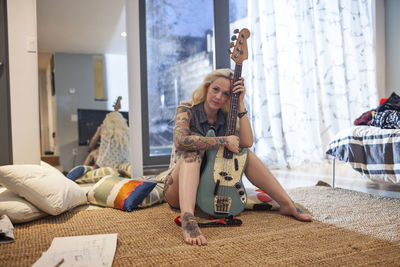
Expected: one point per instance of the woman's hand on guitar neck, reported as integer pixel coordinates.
(232, 143)
(238, 87)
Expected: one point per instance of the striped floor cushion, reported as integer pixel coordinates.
(119, 193)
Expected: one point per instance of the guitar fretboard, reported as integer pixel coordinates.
(233, 111)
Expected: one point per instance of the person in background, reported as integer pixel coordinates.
(114, 144)
(94, 146)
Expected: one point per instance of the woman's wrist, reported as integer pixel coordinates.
(241, 114)
(242, 108)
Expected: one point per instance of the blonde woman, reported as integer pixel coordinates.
(207, 110)
(114, 145)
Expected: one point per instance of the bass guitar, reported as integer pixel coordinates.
(221, 192)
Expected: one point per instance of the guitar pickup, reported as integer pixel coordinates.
(216, 187)
(236, 165)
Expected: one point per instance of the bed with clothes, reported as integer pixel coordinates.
(372, 145)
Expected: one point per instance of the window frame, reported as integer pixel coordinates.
(221, 60)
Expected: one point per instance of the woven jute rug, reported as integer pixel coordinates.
(349, 229)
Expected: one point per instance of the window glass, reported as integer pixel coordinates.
(179, 42)
(237, 10)
(238, 20)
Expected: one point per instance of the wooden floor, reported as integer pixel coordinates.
(310, 174)
(345, 177)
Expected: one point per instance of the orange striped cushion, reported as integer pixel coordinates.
(120, 193)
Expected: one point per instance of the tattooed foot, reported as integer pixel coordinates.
(297, 213)
(191, 231)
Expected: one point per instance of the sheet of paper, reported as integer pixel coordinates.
(88, 250)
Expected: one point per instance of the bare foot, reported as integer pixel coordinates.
(191, 231)
(297, 213)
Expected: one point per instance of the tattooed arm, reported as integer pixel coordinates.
(185, 141)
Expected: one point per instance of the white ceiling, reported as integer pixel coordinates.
(81, 26)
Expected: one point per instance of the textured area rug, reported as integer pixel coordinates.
(364, 213)
(149, 237)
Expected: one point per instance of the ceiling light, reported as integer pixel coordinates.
(123, 34)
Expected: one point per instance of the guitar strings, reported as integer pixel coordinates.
(228, 163)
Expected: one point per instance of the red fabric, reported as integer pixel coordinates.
(383, 100)
(228, 221)
(177, 221)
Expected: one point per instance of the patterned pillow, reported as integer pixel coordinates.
(95, 175)
(120, 193)
(163, 176)
(78, 171)
(258, 200)
(156, 195)
(125, 169)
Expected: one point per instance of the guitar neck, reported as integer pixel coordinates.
(233, 111)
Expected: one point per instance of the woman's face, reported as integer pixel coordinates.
(218, 93)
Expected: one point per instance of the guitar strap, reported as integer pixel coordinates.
(227, 221)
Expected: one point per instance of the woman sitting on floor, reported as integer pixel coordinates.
(208, 109)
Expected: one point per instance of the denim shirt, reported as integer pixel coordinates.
(200, 125)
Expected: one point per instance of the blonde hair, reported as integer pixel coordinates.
(199, 95)
(115, 126)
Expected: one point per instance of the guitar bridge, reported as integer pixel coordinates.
(222, 204)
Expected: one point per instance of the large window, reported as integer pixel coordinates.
(182, 41)
(179, 53)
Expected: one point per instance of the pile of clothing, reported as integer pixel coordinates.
(385, 116)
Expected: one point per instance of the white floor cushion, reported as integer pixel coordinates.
(17, 208)
(47, 188)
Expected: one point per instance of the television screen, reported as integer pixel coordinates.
(89, 120)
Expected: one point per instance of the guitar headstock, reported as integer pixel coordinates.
(239, 53)
(117, 104)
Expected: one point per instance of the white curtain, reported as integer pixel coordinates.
(311, 72)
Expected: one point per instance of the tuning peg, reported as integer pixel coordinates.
(229, 51)
(231, 44)
(233, 38)
(236, 31)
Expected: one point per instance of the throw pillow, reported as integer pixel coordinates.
(46, 188)
(258, 200)
(120, 193)
(18, 209)
(156, 195)
(95, 175)
(78, 171)
(125, 169)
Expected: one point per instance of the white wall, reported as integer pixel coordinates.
(380, 47)
(135, 113)
(117, 80)
(24, 93)
(392, 31)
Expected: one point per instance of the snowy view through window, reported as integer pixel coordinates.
(180, 53)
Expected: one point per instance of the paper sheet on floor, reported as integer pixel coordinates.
(88, 250)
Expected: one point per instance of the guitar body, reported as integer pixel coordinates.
(221, 192)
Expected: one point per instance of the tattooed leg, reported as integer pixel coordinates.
(191, 231)
(168, 182)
